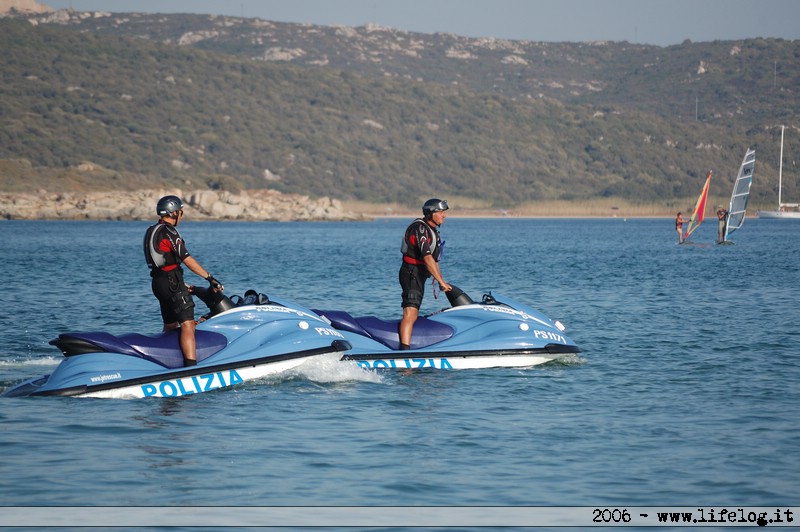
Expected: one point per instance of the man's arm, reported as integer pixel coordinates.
(433, 268)
(193, 265)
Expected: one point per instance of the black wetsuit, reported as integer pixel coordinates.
(164, 250)
(419, 240)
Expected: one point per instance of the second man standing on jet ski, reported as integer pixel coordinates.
(422, 248)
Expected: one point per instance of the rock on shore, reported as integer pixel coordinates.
(23, 6)
(251, 205)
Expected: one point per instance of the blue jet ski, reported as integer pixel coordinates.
(237, 341)
(496, 332)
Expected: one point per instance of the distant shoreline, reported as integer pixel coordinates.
(270, 205)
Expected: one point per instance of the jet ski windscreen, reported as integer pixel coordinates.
(458, 297)
(217, 302)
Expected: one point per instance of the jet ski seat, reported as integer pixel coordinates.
(426, 332)
(163, 349)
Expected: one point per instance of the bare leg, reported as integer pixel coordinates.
(188, 342)
(407, 324)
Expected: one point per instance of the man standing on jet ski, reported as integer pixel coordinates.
(422, 249)
(164, 250)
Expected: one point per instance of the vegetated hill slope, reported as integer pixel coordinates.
(720, 81)
(154, 113)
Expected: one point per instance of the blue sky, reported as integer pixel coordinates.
(660, 22)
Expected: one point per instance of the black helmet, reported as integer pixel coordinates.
(168, 204)
(434, 205)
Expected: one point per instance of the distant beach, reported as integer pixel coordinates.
(600, 208)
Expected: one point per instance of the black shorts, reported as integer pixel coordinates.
(177, 305)
(412, 281)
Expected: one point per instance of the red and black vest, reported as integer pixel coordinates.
(420, 239)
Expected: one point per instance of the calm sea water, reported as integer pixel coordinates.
(686, 392)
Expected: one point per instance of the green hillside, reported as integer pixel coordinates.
(147, 112)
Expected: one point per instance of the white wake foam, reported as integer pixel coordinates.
(22, 362)
(329, 368)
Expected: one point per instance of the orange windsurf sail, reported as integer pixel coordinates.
(699, 213)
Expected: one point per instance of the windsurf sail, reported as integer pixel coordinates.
(741, 193)
(699, 213)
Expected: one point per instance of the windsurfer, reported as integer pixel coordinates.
(722, 215)
(679, 221)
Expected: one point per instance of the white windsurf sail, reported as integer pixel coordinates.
(741, 193)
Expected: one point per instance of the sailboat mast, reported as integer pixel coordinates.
(780, 172)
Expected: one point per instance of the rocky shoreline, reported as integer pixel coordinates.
(251, 205)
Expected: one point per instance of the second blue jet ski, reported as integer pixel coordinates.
(495, 332)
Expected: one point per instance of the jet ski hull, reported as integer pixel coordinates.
(458, 360)
(119, 384)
